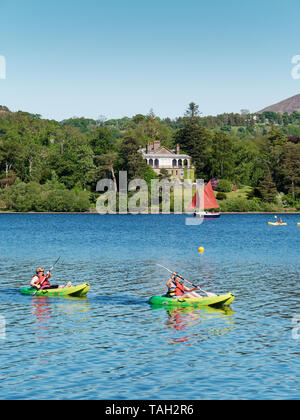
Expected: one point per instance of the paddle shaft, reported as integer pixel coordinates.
(54, 264)
(173, 272)
(50, 269)
(49, 272)
(194, 285)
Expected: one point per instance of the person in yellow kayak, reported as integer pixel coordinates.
(177, 289)
(41, 281)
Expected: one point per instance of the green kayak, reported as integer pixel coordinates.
(80, 290)
(226, 299)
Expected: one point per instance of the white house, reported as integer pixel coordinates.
(160, 157)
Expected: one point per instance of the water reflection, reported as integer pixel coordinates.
(47, 311)
(41, 311)
(196, 323)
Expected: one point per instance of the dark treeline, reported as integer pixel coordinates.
(46, 165)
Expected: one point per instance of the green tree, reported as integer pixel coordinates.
(10, 155)
(248, 168)
(108, 161)
(74, 162)
(222, 159)
(289, 170)
(131, 159)
(277, 142)
(102, 141)
(148, 128)
(267, 187)
(193, 110)
(196, 141)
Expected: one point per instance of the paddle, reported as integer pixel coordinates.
(50, 272)
(54, 264)
(194, 285)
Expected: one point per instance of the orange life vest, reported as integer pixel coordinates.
(179, 291)
(43, 281)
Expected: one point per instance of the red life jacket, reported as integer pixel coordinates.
(179, 291)
(43, 281)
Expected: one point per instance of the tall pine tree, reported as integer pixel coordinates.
(267, 187)
(196, 141)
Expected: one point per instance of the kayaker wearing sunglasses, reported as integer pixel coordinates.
(177, 289)
(41, 281)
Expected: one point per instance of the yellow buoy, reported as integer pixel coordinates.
(201, 249)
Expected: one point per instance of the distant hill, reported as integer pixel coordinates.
(4, 109)
(288, 105)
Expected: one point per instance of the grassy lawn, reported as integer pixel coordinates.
(240, 193)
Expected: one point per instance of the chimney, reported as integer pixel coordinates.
(178, 149)
(156, 145)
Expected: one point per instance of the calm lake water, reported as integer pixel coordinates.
(113, 344)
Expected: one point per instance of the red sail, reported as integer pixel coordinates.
(193, 204)
(210, 201)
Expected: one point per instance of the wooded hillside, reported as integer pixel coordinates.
(46, 165)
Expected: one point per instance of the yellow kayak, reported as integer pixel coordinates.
(80, 290)
(298, 224)
(277, 224)
(226, 300)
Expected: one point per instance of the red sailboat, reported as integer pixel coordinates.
(210, 203)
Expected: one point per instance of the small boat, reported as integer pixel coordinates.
(225, 300)
(207, 215)
(210, 202)
(298, 224)
(80, 290)
(277, 224)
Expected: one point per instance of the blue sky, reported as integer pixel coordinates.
(122, 57)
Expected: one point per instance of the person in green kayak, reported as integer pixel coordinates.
(41, 281)
(177, 289)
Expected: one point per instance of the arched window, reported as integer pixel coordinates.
(151, 162)
(180, 163)
(156, 163)
(185, 163)
(174, 163)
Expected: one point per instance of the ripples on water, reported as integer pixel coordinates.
(113, 345)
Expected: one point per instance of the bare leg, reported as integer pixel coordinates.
(192, 295)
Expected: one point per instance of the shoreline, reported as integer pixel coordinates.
(145, 214)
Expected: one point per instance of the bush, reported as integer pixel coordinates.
(240, 205)
(245, 205)
(82, 201)
(221, 196)
(254, 193)
(149, 174)
(290, 201)
(23, 197)
(224, 186)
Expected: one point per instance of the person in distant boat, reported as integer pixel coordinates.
(41, 281)
(280, 220)
(177, 289)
